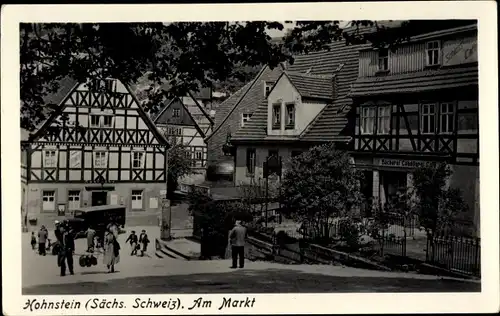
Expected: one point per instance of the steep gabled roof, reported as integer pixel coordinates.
(60, 99)
(250, 96)
(156, 122)
(312, 86)
(341, 62)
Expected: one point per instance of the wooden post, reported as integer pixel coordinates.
(165, 222)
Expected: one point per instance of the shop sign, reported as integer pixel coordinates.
(401, 163)
(464, 51)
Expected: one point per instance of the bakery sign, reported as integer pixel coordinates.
(459, 52)
(402, 163)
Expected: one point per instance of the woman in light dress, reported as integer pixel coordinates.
(111, 251)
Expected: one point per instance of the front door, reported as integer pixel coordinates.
(99, 198)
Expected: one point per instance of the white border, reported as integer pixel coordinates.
(484, 11)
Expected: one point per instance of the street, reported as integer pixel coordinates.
(150, 275)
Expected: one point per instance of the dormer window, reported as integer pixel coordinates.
(433, 50)
(245, 117)
(290, 116)
(383, 59)
(267, 89)
(277, 116)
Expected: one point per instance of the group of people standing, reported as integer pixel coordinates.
(137, 242)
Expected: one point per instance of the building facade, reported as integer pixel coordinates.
(307, 106)
(177, 123)
(98, 148)
(416, 104)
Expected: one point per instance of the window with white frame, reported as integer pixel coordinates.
(101, 159)
(384, 119)
(107, 121)
(50, 158)
(290, 116)
(433, 50)
(383, 59)
(73, 200)
(245, 117)
(428, 118)
(49, 200)
(367, 120)
(447, 117)
(176, 113)
(95, 120)
(276, 115)
(136, 199)
(138, 159)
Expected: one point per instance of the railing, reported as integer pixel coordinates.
(455, 253)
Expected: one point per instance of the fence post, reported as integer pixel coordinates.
(476, 257)
(404, 243)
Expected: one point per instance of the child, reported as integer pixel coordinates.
(33, 240)
(144, 240)
(133, 242)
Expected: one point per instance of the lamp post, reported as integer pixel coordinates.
(166, 209)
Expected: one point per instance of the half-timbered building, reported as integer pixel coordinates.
(415, 104)
(177, 122)
(97, 148)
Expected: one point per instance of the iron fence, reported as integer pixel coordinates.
(458, 254)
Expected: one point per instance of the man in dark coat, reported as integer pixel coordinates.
(42, 240)
(67, 248)
(237, 238)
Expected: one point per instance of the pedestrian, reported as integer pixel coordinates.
(144, 241)
(42, 240)
(111, 251)
(132, 238)
(33, 240)
(90, 239)
(66, 249)
(237, 237)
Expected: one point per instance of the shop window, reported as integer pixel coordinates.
(384, 119)
(367, 120)
(433, 50)
(49, 200)
(251, 161)
(73, 200)
(136, 199)
(447, 118)
(428, 118)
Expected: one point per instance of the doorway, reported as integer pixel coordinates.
(99, 198)
(393, 183)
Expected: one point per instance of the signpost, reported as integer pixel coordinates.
(272, 165)
(166, 219)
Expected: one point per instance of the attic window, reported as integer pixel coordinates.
(110, 85)
(267, 89)
(276, 116)
(245, 117)
(176, 113)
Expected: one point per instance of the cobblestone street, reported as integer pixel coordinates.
(148, 275)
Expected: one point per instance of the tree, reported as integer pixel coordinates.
(183, 56)
(436, 205)
(179, 165)
(255, 198)
(320, 185)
